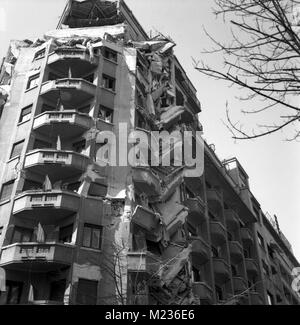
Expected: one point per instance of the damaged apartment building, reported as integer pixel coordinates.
(75, 232)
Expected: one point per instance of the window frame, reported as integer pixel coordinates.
(12, 154)
(2, 188)
(31, 79)
(21, 118)
(92, 228)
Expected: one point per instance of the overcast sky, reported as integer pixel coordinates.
(271, 163)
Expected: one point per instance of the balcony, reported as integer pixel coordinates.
(236, 251)
(47, 206)
(218, 232)
(146, 181)
(148, 221)
(73, 92)
(143, 262)
(196, 210)
(203, 292)
(221, 270)
(66, 124)
(200, 251)
(77, 59)
(214, 198)
(239, 285)
(255, 298)
(251, 266)
(246, 235)
(36, 256)
(57, 164)
(232, 219)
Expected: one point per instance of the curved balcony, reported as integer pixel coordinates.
(36, 256)
(246, 235)
(143, 262)
(231, 218)
(204, 292)
(221, 270)
(71, 91)
(200, 251)
(239, 284)
(146, 181)
(66, 124)
(218, 232)
(47, 206)
(236, 251)
(148, 221)
(57, 164)
(196, 210)
(251, 266)
(79, 60)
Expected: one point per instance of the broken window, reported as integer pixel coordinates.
(57, 290)
(6, 191)
(17, 149)
(108, 82)
(65, 234)
(105, 114)
(110, 54)
(99, 190)
(33, 81)
(25, 114)
(92, 236)
(86, 292)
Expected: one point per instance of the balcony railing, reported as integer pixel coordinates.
(236, 251)
(143, 262)
(36, 256)
(218, 232)
(66, 124)
(251, 266)
(200, 251)
(146, 181)
(221, 270)
(203, 291)
(57, 164)
(73, 91)
(196, 210)
(49, 206)
(79, 60)
(148, 221)
(246, 235)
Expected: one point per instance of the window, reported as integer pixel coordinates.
(86, 292)
(6, 191)
(14, 291)
(1, 230)
(65, 234)
(215, 251)
(97, 190)
(153, 247)
(105, 114)
(196, 274)
(22, 235)
(25, 114)
(33, 81)
(40, 144)
(92, 236)
(73, 186)
(79, 146)
(39, 54)
(110, 55)
(260, 240)
(108, 82)
(17, 149)
(270, 252)
(234, 270)
(57, 290)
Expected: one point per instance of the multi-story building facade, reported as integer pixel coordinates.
(74, 231)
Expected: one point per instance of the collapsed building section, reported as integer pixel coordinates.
(77, 231)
